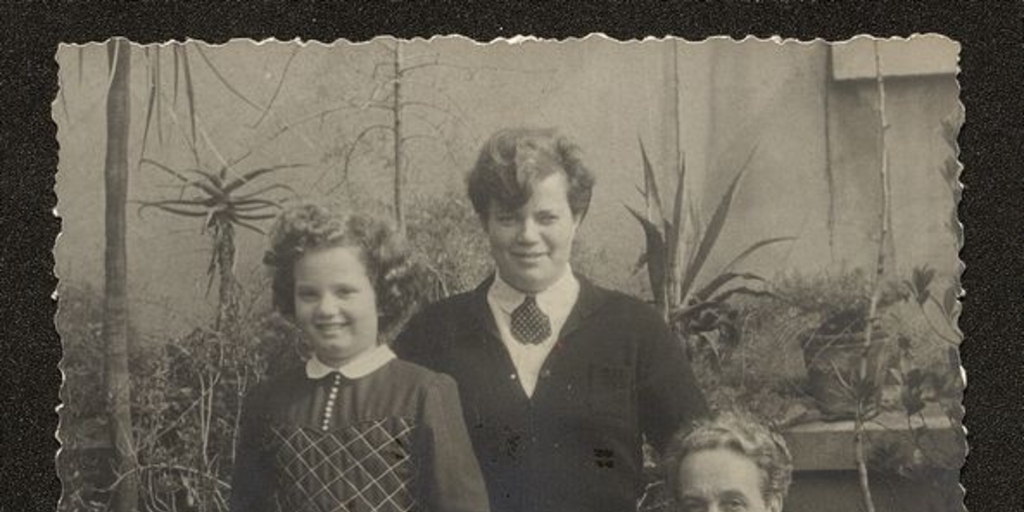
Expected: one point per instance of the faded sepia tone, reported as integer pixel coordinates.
(790, 187)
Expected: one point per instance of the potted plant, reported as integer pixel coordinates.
(844, 373)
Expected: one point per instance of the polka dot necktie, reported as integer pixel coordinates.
(529, 324)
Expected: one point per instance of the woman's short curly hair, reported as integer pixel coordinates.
(742, 434)
(390, 268)
(514, 158)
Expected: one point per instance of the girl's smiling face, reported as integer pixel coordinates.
(335, 303)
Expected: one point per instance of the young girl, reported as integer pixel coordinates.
(354, 429)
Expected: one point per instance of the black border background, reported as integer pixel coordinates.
(992, 63)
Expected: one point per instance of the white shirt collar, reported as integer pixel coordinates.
(355, 368)
(561, 295)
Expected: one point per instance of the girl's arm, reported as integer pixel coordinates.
(451, 474)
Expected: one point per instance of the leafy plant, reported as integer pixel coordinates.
(921, 453)
(224, 199)
(703, 315)
(919, 288)
(920, 456)
(832, 310)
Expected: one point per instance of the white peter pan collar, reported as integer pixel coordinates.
(355, 368)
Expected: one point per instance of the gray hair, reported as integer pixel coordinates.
(742, 434)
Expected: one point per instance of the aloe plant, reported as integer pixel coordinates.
(224, 200)
(674, 264)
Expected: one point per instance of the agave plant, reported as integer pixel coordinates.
(701, 314)
(919, 287)
(224, 199)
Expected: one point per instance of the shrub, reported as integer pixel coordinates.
(840, 302)
(82, 463)
(446, 233)
(187, 446)
(186, 397)
(765, 370)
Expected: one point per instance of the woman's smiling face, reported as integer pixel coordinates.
(335, 303)
(531, 246)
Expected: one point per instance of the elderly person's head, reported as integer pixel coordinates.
(730, 463)
(346, 280)
(531, 191)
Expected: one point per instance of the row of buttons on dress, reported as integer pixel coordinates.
(331, 399)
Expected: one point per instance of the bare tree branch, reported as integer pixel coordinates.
(457, 118)
(451, 102)
(180, 176)
(437, 129)
(288, 126)
(277, 90)
(223, 80)
(351, 150)
(414, 67)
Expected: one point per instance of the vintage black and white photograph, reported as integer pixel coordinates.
(522, 275)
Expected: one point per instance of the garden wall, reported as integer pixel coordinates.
(731, 96)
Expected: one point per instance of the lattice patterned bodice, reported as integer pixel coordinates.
(364, 467)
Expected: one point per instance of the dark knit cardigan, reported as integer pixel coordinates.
(392, 440)
(615, 376)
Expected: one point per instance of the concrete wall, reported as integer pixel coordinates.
(841, 491)
(711, 101)
(807, 125)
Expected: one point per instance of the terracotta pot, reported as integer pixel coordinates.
(833, 363)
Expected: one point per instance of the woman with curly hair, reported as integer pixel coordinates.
(353, 429)
(731, 463)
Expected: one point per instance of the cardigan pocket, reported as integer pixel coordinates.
(611, 389)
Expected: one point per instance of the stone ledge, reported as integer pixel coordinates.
(828, 446)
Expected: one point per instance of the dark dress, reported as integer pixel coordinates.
(392, 440)
(615, 376)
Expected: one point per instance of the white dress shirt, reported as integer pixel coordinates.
(556, 302)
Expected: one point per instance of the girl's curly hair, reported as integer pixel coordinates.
(397, 280)
(742, 434)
